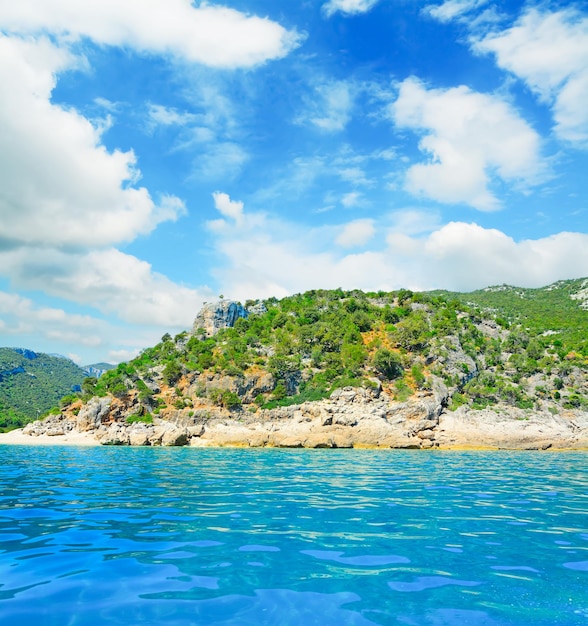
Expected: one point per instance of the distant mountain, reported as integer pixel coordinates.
(97, 369)
(31, 383)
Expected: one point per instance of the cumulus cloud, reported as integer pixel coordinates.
(348, 7)
(108, 280)
(356, 233)
(212, 35)
(470, 137)
(58, 184)
(548, 50)
(66, 201)
(21, 316)
(263, 257)
(227, 207)
(470, 257)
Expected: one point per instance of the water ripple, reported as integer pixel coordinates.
(265, 537)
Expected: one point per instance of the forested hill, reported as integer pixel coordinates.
(501, 346)
(560, 307)
(33, 382)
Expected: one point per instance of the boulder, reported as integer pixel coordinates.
(92, 414)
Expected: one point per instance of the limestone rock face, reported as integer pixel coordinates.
(216, 315)
(513, 429)
(91, 415)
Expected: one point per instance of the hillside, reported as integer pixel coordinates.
(558, 309)
(505, 349)
(31, 383)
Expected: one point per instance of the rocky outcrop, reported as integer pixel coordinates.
(216, 315)
(247, 387)
(223, 314)
(517, 429)
(91, 415)
(351, 418)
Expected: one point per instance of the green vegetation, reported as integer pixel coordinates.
(32, 383)
(500, 346)
(553, 309)
(490, 347)
(147, 418)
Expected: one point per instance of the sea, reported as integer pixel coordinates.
(181, 536)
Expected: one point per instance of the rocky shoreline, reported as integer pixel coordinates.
(350, 418)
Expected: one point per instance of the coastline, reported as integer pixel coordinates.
(350, 418)
(74, 438)
(18, 438)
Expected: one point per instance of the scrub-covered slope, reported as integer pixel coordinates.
(31, 383)
(401, 349)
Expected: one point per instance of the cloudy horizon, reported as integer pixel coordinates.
(156, 155)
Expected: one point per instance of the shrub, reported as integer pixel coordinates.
(387, 363)
(143, 419)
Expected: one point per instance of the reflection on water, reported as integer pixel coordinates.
(272, 537)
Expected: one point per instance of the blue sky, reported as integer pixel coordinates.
(158, 154)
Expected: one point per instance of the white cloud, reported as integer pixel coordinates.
(355, 175)
(107, 280)
(221, 160)
(227, 207)
(470, 138)
(452, 9)
(117, 356)
(351, 199)
(470, 257)
(356, 233)
(414, 221)
(264, 257)
(66, 200)
(160, 115)
(22, 316)
(348, 7)
(329, 108)
(548, 50)
(59, 185)
(212, 35)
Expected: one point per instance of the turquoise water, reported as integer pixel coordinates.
(263, 537)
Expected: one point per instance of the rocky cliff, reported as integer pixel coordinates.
(216, 315)
(350, 418)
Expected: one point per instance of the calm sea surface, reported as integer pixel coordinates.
(262, 537)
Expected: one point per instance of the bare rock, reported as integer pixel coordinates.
(139, 435)
(114, 435)
(511, 428)
(216, 315)
(175, 437)
(92, 414)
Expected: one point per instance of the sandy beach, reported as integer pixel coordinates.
(16, 437)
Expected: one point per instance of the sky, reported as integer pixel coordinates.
(157, 154)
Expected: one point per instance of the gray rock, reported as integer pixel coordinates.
(91, 415)
(114, 435)
(216, 315)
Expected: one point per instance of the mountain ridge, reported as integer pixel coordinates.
(33, 382)
(521, 354)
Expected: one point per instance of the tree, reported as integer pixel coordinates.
(413, 332)
(172, 372)
(387, 363)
